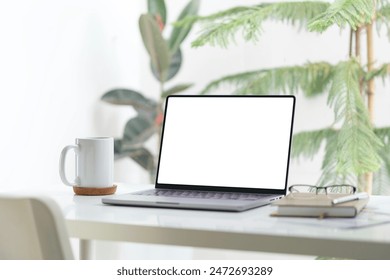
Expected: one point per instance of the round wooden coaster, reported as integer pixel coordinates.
(94, 191)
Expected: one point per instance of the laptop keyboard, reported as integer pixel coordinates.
(203, 194)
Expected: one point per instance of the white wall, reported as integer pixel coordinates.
(57, 59)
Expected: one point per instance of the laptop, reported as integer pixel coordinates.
(227, 153)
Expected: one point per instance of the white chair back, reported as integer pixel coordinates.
(32, 228)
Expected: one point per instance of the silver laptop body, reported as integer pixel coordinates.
(228, 153)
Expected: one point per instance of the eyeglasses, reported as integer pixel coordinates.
(311, 190)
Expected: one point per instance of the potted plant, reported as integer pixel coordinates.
(165, 62)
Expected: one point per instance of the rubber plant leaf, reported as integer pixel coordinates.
(129, 97)
(155, 44)
(144, 158)
(140, 155)
(138, 130)
(176, 89)
(179, 33)
(157, 8)
(117, 147)
(173, 69)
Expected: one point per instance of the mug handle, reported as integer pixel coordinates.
(62, 165)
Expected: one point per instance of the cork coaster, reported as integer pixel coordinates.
(94, 191)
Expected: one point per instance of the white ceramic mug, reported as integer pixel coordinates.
(94, 162)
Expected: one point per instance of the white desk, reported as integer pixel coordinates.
(254, 230)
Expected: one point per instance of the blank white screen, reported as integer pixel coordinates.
(226, 141)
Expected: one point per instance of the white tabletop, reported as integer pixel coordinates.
(366, 237)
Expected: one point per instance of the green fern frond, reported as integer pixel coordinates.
(296, 13)
(222, 32)
(383, 12)
(381, 180)
(311, 78)
(282, 80)
(221, 28)
(383, 71)
(216, 16)
(357, 145)
(329, 163)
(330, 174)
(235, 80)
(383, 18)
(308, 143)
(383, 134)
(345, 12)
(382, 177)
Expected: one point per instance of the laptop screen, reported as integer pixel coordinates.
(226, 142)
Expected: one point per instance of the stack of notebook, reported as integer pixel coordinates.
(307, 205)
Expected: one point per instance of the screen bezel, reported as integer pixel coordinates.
(224, 188)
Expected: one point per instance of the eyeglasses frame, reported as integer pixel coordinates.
(317, 188)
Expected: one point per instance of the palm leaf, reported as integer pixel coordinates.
(383, 13)
(353, 13)
(384, 134)
(382, 177)
(357, 145)
(383, 17)
(381, 180)
(308, 143)
(330, 174)
(220, 28)
(354, 148)
(311, 78)
(235, 80)
(383, 71)
(216, 16)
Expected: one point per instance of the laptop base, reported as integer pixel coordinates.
(232, 205)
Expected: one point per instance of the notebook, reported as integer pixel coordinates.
(228, 153)
(319, 206)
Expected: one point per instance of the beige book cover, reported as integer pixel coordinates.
(309, 205)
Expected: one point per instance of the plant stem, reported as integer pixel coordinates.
(370, 93)
(357, 44)
(350, 42)
(160, 111)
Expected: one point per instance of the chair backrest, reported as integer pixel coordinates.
(32, 228)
